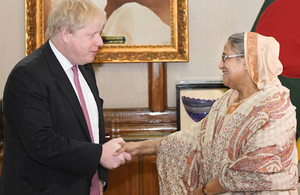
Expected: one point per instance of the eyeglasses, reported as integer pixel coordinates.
(224, 57)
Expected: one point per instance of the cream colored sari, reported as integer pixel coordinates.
(251, 149)
(249, 145)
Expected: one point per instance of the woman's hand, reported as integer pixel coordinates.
(212, 187)
(133, 148)
(139, 148)
(198, 191)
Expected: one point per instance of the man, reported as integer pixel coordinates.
(54, 122)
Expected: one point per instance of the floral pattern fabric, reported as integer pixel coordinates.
(249, 146)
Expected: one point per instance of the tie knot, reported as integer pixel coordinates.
(75, 70)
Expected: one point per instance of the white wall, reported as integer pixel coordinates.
(12, 37)
(211, 22)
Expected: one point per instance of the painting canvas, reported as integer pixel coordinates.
(141, 22)
(153, 30)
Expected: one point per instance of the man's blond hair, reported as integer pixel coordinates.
(72, 15)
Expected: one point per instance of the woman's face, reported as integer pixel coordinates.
(234, 71)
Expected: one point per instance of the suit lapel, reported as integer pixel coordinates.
(88, 74)
(64, 83)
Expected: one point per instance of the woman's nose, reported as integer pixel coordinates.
(221, 64)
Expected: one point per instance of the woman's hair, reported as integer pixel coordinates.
(72, 15)
(237, 42)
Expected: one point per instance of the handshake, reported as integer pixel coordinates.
(110, 159)
(116, 151)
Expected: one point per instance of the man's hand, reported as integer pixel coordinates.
(101, 188)
(108, 159)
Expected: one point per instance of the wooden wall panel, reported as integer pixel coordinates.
(139, 124)
(148, 175)
(124, 179)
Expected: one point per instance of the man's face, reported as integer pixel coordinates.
(82, 45)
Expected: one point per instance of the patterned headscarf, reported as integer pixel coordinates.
(262, 59)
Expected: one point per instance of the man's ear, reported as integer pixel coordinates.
(64, 35)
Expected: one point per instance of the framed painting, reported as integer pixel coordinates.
(194, 100)
(149, 30)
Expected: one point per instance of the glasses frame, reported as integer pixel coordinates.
(224, 57)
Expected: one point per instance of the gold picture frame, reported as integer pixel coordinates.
(177, 51)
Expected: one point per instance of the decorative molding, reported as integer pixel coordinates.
(30, 24)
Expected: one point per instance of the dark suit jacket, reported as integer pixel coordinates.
(48, 149)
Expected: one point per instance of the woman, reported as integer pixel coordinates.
(246, 144)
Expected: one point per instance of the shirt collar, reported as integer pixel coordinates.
(64, 62)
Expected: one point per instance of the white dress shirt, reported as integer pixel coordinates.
(87, 93)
